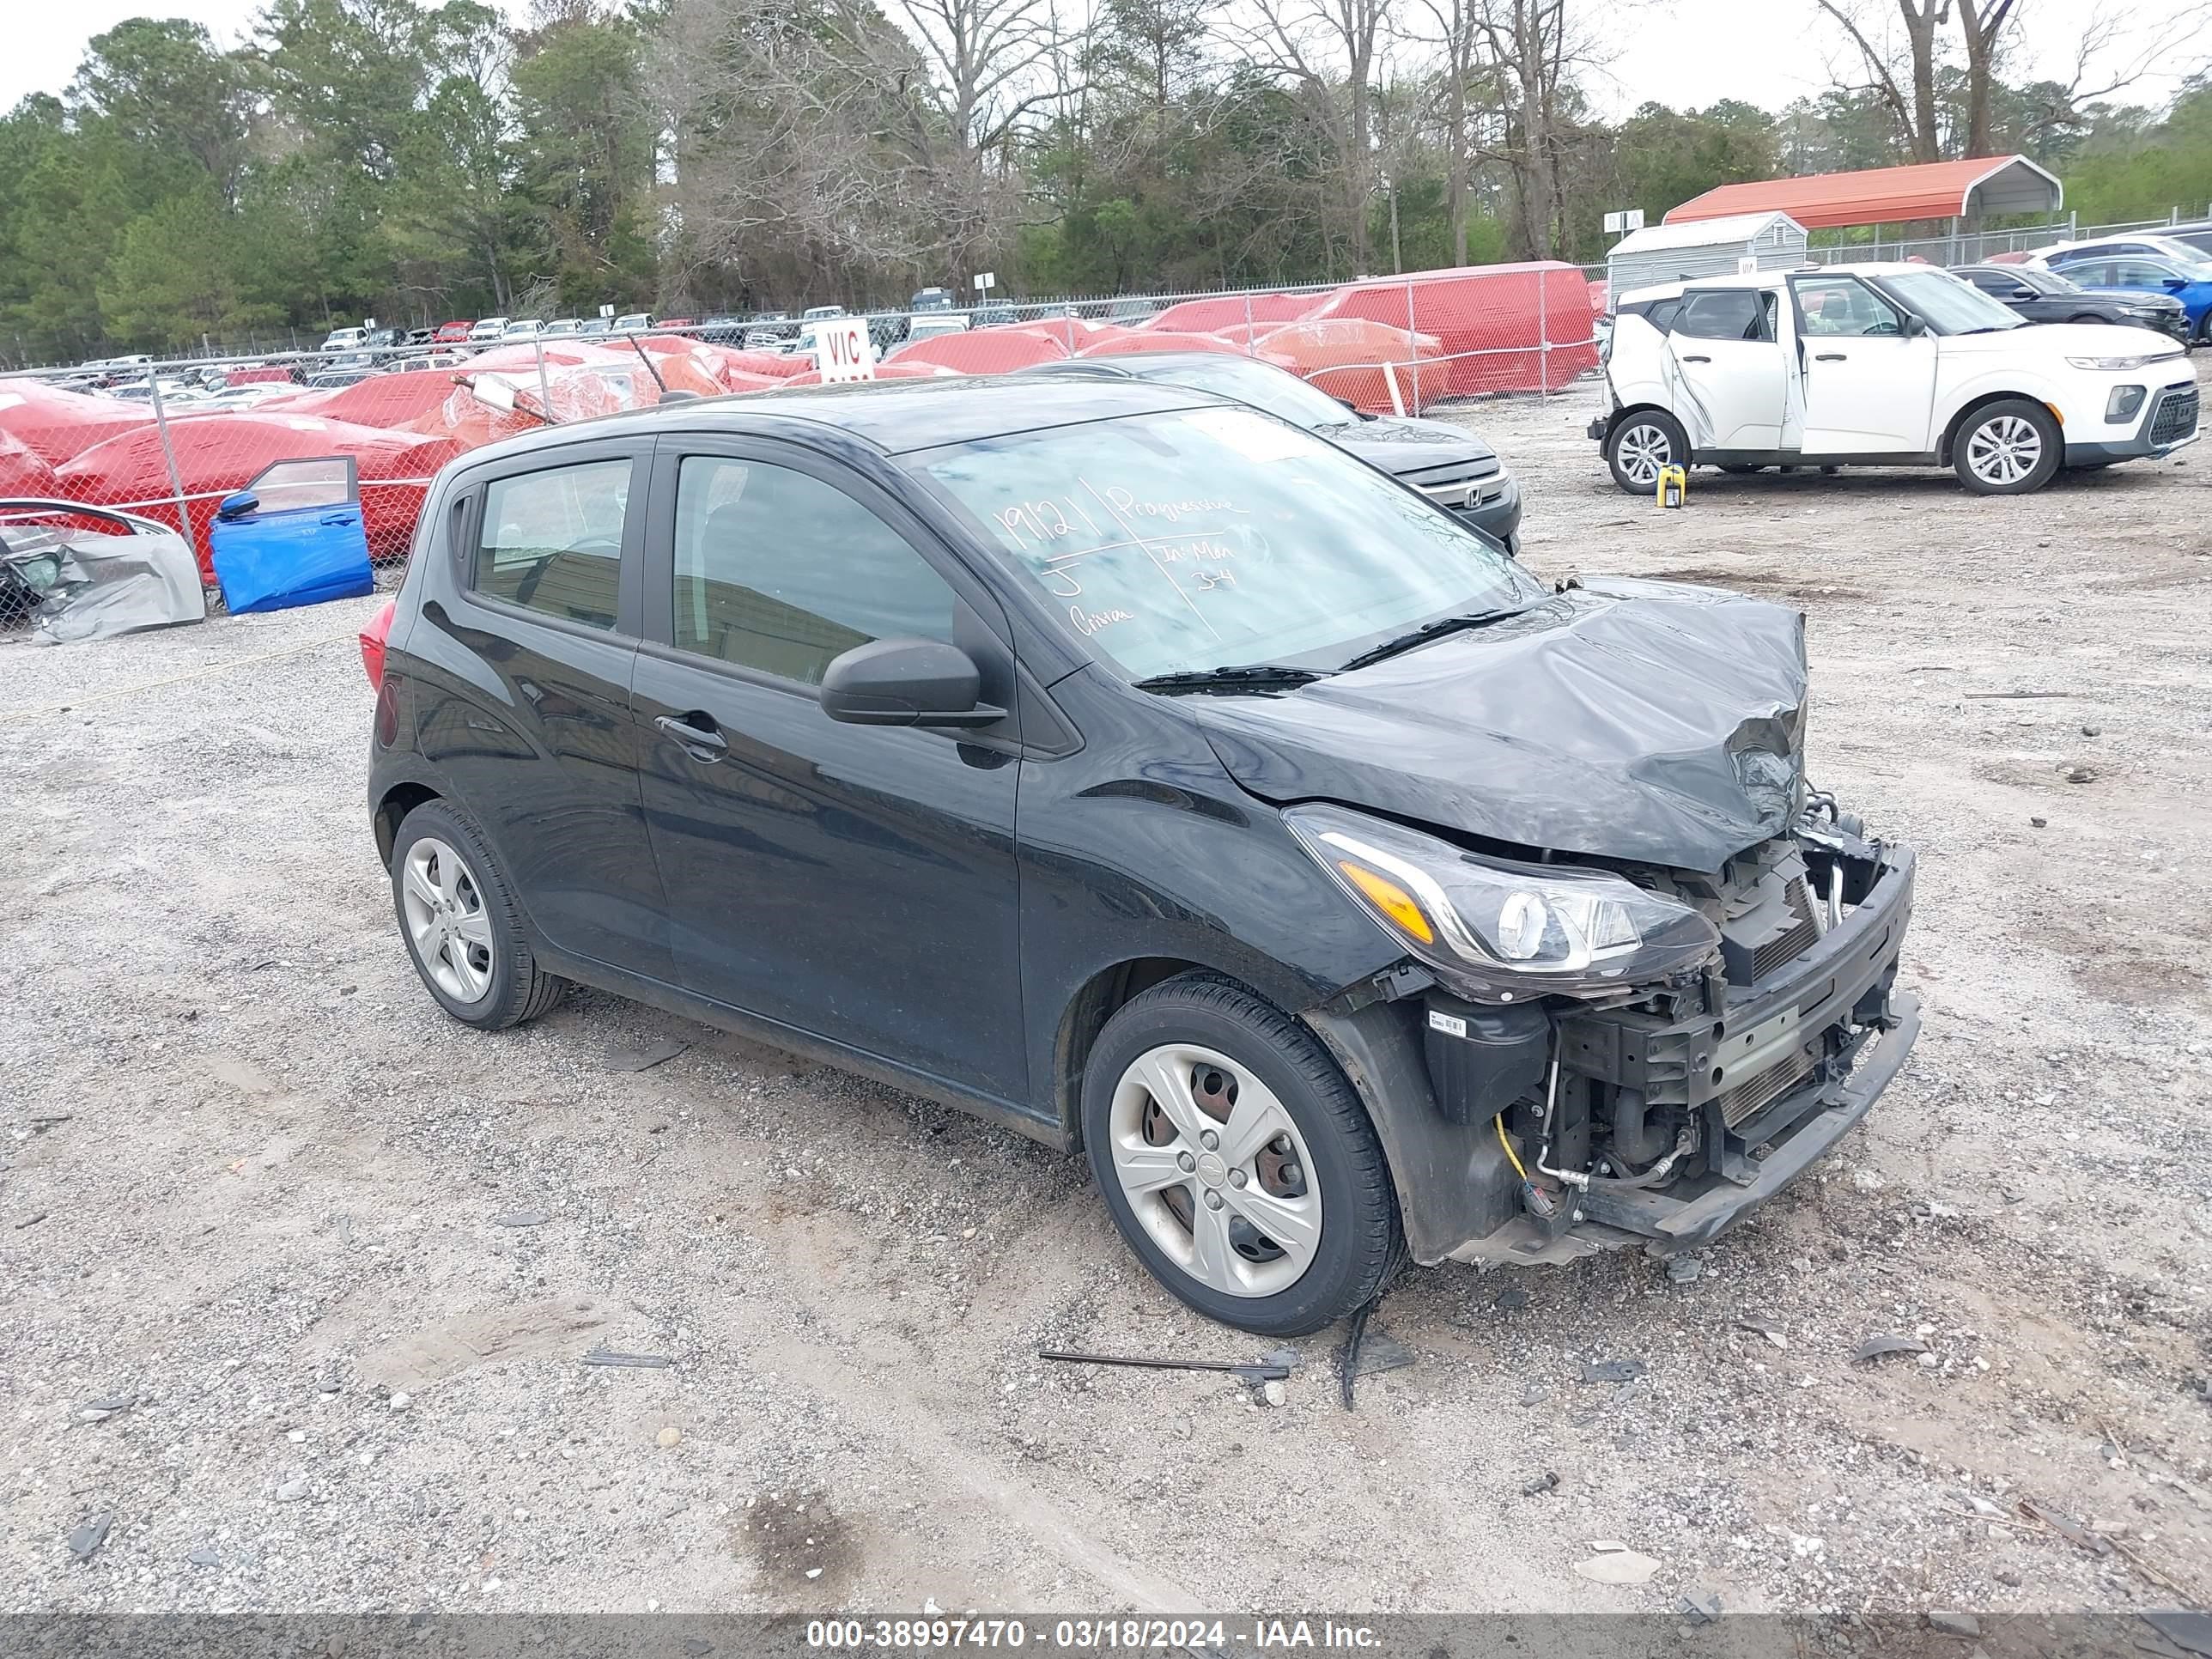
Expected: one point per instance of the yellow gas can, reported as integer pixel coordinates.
(1674, 484)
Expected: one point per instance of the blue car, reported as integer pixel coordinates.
(2104, 270)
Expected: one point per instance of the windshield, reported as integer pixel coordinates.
(1261, 385)
(1949, 305)
(1207, 537)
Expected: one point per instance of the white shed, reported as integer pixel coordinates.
(1704, 247)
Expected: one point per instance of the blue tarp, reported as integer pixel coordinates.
(268, 561)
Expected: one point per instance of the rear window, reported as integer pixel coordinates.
(1731, 313)
(551, 541)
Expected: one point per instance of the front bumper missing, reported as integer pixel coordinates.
(1758, 1135)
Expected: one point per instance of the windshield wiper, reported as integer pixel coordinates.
(1430, 631)
(1236, 677)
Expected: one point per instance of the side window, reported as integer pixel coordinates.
(1834, 306)
(551, 541)
(1726, 314)
(326, 482)
(778, 571)
(1989, 282)
(2139, 273)
(1663, 312)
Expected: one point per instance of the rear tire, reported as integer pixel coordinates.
(1236, 1161)
(461, 923)
(2007, 448)
(1640, 444)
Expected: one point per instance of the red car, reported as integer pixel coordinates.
(451, 333)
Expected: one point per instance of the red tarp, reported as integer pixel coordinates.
(577, 394)
(381, 400)
(1211, 316)
(23, 471)
(985, 351)
(898, 371)
(1137, 341)
(55, 425)
(1370, 365)
(1491, 320)
(219, 454)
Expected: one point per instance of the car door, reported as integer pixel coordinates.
(854, 882)
(1869, 384)
(526, 705)
(1731, 380)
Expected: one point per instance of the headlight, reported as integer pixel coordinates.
(2121, 362)
(1498, 932)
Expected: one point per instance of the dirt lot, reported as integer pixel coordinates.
(347, 1256)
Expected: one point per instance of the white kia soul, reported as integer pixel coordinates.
(1887, 365)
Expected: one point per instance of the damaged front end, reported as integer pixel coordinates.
(1658, 1109)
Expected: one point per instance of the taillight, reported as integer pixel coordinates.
(372, 643)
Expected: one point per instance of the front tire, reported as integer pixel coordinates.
(1236, 1161)
(1640, 444)
(2007, 448)
(462, 926)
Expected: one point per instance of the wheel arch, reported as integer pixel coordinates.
(1097, 1000)
(1981, 400)
(391, 810)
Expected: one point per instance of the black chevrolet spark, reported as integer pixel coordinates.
(1147, 774)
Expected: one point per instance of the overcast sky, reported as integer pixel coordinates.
(1683, 52)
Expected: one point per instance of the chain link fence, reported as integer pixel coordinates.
(169, 439)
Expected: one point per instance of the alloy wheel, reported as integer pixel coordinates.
(1642, 451)
(2004, 450)
(1215, 1171)
(446, 919)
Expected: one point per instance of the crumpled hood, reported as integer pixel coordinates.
(1645, 721)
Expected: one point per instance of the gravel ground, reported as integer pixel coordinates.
(345, 1256)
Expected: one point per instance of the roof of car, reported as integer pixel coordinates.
(1774, 278)
(898, 416)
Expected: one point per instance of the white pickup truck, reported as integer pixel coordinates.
(1884, 365)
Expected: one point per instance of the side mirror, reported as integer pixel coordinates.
(2175, 284)
(2021, 293)
(1914, 326)
(905, 683)
(237, 506)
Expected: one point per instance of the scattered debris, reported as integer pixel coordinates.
(1613, 1370)
(98, 1411)
(1263, 1372)
(1683, 1269)
(2038, 823)
(2067, 1528)
(1955, 1623)
(2014, 696)
(1382, 1352)
(643, 1362)
(1535, 1395)
(40, 1125)
(1273, 1393)
(1699, 1606)
(1511, 1299)
(30, 1221)
(1618, 1566)
(1766, 1325)
(521, 1218)
(1547, 1481)
(669, 1436)
(1875, 1347)
(291, 1491)
(645, 1059)
(84, 1543)
(2079, 774)
(205, 1556)
(2093, 731)
(399, 1402)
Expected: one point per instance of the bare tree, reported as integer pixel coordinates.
(1462, 67)
(1915, 111)
(1328, 51)
(1536, 50)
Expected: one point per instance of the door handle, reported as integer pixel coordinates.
(1697, 360)
(700, 742)
(1829, 357)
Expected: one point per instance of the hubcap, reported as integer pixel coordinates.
(1215, 1171)
(1642, 451)
(2004, 450)
(446, 919)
